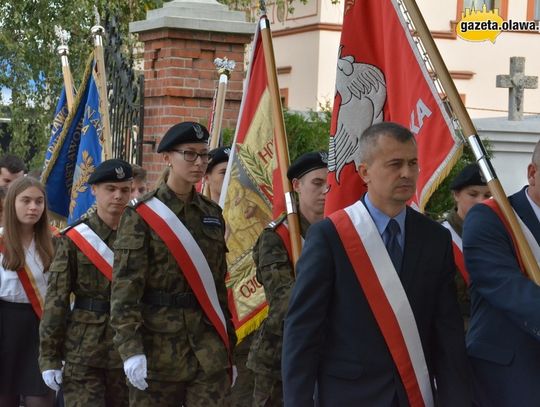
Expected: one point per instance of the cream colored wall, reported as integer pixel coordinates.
(312, 56)
(326, 87)
(301, 53)
(486, 60)
(439, 13)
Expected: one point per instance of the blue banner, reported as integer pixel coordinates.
(88, 157)
(74, 151)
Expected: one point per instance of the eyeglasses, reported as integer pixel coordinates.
(191, 156)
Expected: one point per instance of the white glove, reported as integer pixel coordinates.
(234, 375)
(135, 369)
(52, 378)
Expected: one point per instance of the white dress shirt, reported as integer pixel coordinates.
(11, 289)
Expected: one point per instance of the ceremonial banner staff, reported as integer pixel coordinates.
(63, 51)
(412, 13)
(97, 32)
(280, 137)
(224, 67)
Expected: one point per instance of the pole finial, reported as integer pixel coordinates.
(224, 66)
(63, 37)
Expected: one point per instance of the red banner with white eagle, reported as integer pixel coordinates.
(381, 76)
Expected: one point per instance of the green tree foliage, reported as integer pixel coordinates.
(442, 200)
(30, 66)
(307, 132)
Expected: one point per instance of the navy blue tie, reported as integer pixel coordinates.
(392, 244)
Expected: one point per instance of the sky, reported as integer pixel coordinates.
(6, 96)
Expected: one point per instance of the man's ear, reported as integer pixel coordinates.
(93, 190)
(363, 172)
(296, 185)
(531, 172)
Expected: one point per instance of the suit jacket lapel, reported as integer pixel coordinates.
(523, 208)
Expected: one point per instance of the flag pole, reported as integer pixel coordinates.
(63, 51)
(224, 68)
(468, 130)
(280, 139)
(97, 32)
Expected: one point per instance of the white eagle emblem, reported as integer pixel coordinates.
(120, 174)
(362, 88)
(198, 131)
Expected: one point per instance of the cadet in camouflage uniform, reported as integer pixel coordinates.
(172, 353)
(83, 337)
(242, 391)
(468, 188)
(275, 272)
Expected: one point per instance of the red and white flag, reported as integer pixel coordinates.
(381, 76)
(252, 193)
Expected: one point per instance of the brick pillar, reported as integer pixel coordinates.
(181, 41)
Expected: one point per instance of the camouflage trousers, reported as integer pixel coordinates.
(203, 391)
(242, 392)
(90, 386)
(267, 392)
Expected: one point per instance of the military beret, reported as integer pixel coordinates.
(113, 170)
(218, 155)
(470, 175)
(186, 132)
(307, 162)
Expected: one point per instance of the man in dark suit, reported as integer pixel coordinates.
(337, 348)
(503, 341)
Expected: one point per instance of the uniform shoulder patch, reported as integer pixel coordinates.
(82, 219)
(137, 201)
(276, 222)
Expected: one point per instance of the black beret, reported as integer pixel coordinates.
(470, 175)
(113, 170)
(186, 132)
(307, 162)
(218, 155)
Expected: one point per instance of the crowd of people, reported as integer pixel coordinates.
(128, 306)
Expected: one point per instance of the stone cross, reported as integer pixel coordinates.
(517, 82)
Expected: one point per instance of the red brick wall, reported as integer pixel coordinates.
(180, 81)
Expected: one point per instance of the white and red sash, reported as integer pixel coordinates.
(387, 299)
(283, 232)
(93, 247)
(533, 244)
(27, 277)
(190, 259)
(36, 296)
(457, 247)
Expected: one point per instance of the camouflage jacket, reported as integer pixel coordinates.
(78, 336)
(464, 297)
(176, 341)
(275, 273)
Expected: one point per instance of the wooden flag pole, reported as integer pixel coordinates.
(280, 138)
(97, 32)
(224, 67)
(63, 51)
(469, 131)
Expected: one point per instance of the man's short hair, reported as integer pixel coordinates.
(12, 163)
(370, 137)
(139, 173)
(536, 154)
